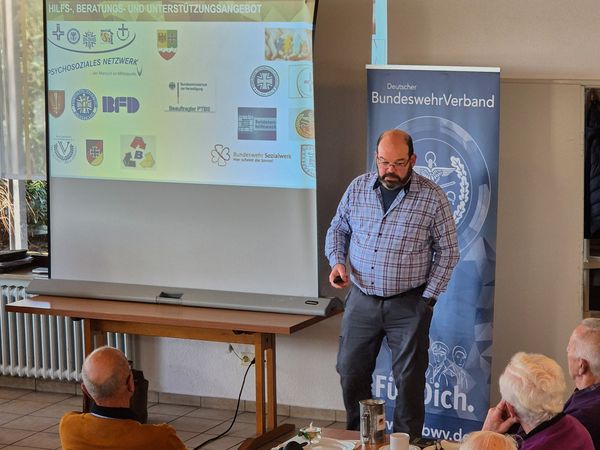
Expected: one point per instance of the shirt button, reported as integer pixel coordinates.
(375, 251)
(372, 283)
(372, 267)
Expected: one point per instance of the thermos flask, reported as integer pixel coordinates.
(372, 421)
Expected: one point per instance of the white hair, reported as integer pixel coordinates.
(535, 386)
(487, 440)
(586, 343)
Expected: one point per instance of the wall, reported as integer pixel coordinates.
(540, 221)
(538, 298)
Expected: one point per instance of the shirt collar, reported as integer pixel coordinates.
(542, 426)
(592, 387)
(113, 413)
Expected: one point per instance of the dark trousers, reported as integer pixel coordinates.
(404, 319)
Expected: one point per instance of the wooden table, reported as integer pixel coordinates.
(206, 324)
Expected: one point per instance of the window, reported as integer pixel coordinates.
(23, 193)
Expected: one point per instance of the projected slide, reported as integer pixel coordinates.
(199, 92)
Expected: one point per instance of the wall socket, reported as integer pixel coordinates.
(246, 358)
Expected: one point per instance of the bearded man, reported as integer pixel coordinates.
(393, 239)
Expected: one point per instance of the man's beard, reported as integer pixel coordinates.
(391, 181)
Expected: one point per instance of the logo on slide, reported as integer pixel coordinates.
(300, 82)
(116, 104)
(92, 40)
(106, 35)
(63, 149)
(84, 104)
(94, 151)
(137, 152)
(166, 43)
(264, 81)
(220, 155)
(307, 158)
(56, 103)
(305, 124)
(257, 124)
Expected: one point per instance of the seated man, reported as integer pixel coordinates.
(533, 388)
(488, 440)
(107, 378)
(583, 353)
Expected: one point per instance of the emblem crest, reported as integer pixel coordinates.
(305, 124)
(307, 158)
(166, 43)
(56, 103)
(94, 151)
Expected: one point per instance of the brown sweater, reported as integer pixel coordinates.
(79, 431)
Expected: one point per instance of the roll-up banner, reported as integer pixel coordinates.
(452, 115)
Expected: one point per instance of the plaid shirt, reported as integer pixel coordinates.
(413, 243)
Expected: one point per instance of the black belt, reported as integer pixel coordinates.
(418, 291)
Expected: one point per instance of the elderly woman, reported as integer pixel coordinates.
(488, 440)
(533, 390)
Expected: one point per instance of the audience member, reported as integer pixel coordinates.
(488, 440)
(107, 378)
(583, 354)
(533, 388)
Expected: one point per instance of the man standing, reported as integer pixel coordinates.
(583, 354)
(107, 378)
(398, 233)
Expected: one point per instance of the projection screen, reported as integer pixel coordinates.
(181, 143)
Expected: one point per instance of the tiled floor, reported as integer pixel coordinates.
(29, 420)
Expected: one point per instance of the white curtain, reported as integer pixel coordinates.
(22, 111)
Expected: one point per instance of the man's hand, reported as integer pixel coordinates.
(338, 278)
(500, 418)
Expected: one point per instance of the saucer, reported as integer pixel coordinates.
(446, 444)
(323, 444)
(333, 444)
(410, 447)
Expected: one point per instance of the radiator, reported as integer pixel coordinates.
(48, 347)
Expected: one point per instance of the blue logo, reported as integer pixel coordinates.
(73, 36)
(84, 104)
(58, 33)
(452, 159)
(264, 81)
(100, 40)
(117, 104)
(63, 149)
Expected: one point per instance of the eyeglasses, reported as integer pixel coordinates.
(386, 164)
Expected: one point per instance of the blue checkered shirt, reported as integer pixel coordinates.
(413, 243)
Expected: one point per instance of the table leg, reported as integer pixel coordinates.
(259, 370)
(88, 337)
(271, 384)
(265, 352)
(92, 337)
